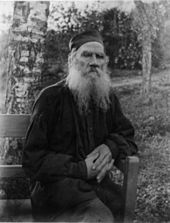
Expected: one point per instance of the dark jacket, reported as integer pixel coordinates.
(59, 138)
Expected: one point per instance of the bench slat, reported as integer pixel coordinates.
(8, 171)
(13, 125)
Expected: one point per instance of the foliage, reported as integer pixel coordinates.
(6, 19)
(67, 22)
(148, 17)
(157, 53)
(71, 19)
(120, 40)
(122, 31)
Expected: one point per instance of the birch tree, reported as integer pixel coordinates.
(26, 50)
(147, 20)
(25, 64)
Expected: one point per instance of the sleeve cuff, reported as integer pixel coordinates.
(82, 169)
(113, 148)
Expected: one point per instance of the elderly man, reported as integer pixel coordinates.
(77, 131)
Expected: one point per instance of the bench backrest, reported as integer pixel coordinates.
(13, 126)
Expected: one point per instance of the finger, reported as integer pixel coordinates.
(102, 174)
(94, 157)
(103, 162)
(98, 161)
(110, 168)
(110, 165)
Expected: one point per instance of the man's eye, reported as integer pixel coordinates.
(99, 56)
(86, 54)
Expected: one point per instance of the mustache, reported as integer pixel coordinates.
(97, 70)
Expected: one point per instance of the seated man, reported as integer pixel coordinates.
(77, 132)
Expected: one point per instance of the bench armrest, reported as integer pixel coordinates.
(129, 167)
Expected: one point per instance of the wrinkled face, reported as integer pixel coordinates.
(91, 60)
(88, 78)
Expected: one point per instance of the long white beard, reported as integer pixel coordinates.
(85, 89)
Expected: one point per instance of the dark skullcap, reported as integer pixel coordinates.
(84, 37)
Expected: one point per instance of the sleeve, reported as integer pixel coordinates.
(121, 139)
(39, 162)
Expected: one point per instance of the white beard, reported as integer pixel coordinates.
(85, 88)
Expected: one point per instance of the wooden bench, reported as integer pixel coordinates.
(19, 210)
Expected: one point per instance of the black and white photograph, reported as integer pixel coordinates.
(85, 111)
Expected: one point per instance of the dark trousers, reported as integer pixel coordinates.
(78, 201)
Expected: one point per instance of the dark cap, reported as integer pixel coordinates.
(84, 37)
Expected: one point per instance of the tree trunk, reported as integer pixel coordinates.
(26, 52)
(146, 65)
(146, 33)
(26, 60)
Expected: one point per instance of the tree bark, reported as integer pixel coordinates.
(26, 51)
(25, 64)
(146, 64)
(146, 33)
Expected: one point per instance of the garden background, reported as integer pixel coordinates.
(33, 55)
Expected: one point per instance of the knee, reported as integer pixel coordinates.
(97, 211)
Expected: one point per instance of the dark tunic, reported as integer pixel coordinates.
(58, 140)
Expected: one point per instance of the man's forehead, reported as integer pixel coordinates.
(92, 47)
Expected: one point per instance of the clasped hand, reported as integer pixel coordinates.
(99, 162)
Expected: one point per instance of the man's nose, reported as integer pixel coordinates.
(93, 61)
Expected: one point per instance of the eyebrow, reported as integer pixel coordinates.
(89, 53)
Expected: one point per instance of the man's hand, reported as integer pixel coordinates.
(103, 163)
(104, 158)
(104, 171)
(91, 172)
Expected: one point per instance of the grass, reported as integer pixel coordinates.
(152, 124)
